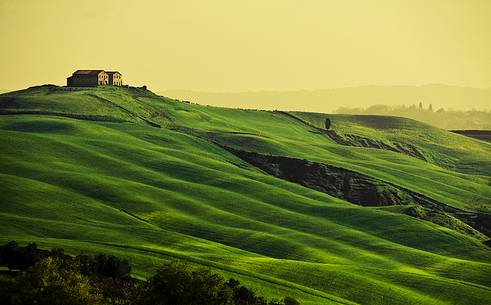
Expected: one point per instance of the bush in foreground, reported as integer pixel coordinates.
(178, 284)
(50, 282)
(53, 278)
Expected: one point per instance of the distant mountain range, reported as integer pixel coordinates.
(441, 96)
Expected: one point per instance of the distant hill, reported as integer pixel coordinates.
(446, 119)
(373, 210)
(462, 98)
(483, 135)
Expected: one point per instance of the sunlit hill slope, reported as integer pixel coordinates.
(374, 210)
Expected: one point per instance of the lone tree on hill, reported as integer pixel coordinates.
(327, 123)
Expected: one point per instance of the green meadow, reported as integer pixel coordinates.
(150, 179)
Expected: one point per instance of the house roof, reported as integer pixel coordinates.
(113, 72)
(87, 72)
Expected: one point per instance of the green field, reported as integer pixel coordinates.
(151, 179)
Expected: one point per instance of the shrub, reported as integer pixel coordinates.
(54, 282)
(110, 266)
(242, 295)
(178, 284)
(21, 258)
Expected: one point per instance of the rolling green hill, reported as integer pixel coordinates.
(151, 179)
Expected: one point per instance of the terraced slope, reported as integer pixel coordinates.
(123, 171)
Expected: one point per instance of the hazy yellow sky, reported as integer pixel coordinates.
(240, 45)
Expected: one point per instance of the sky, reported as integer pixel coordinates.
(237, 45)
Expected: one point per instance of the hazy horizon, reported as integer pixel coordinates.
(313, 89)
(231, 46)
(328, 100)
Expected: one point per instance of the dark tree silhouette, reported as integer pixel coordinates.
(51, 281)
(45, 277)
(178, 284)
(327, 123)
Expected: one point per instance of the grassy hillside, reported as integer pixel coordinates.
(123, 171)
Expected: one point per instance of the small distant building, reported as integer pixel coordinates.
(115, 78)
(92, 78)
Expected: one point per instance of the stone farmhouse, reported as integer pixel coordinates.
(115, 78)
(92, 78)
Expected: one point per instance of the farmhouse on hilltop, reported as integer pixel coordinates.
(115, 78)
(92, 78)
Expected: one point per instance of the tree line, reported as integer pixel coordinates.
(50, 277)
(443, 118)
